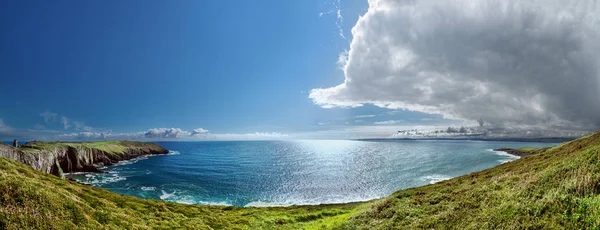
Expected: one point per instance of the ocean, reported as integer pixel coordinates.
(281, 173)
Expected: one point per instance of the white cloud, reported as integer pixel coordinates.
(390, 122)
(166, 133)
(364, 116)
(65, 122)
(324, 123)
(339, 18)
(358, 132)
(172, 133)
(342, 59)
(534, 63)
(49, 117)
(339, 21)
(199, 131)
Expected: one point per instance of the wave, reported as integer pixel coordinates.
(502, 153)
(222, 203)
(75, 173)
(100, 178)
(139, 158)
(148, 188)
(127, 162)
(331, 199)
(267, 204)
(186, 199)
(435, 178)
(509, 158)
(166, 195)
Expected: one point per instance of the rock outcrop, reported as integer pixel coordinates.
(61, 157)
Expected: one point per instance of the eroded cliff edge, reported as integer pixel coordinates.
(65, 157)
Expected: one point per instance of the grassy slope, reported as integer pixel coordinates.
(526, 149)
(553, 188)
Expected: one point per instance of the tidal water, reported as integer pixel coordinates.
(276, 173)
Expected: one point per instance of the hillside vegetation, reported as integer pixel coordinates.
(555, 188)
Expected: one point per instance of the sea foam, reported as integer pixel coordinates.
(509, 158)
(436, 178)
(266, 204)
(166, 195)
(148, 188)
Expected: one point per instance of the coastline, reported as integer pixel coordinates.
(516, 152)
(519, 186)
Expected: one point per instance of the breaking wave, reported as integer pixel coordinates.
(432, 179)
(508, 157)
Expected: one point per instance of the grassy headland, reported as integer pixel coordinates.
(59, 157)
(521, 152)
(111, 147)
(556, 188)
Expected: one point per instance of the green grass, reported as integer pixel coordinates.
(526, 149)
(554, 188)
(111, 147)
(551, 189)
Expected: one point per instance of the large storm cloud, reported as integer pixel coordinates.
(531, 63)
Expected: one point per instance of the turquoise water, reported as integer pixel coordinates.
(274, 173)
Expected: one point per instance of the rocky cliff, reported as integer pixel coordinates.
(63, 157)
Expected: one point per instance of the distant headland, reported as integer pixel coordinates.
(65, 157)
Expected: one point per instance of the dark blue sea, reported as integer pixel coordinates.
(279, 173)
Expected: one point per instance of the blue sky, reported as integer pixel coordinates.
(234, 68)
(224, 66)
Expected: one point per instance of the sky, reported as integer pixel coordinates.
(314, 69)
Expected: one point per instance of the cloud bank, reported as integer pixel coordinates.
(166, 133)
(508, 63)
(171, 134)
(389, 122)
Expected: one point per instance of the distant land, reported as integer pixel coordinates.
(514, 139)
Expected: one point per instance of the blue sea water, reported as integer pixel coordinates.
(277, 173)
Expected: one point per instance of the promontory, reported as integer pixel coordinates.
(66, 157)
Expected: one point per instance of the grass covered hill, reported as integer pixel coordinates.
(553, 188)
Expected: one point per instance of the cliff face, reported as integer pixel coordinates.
(61, 157)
